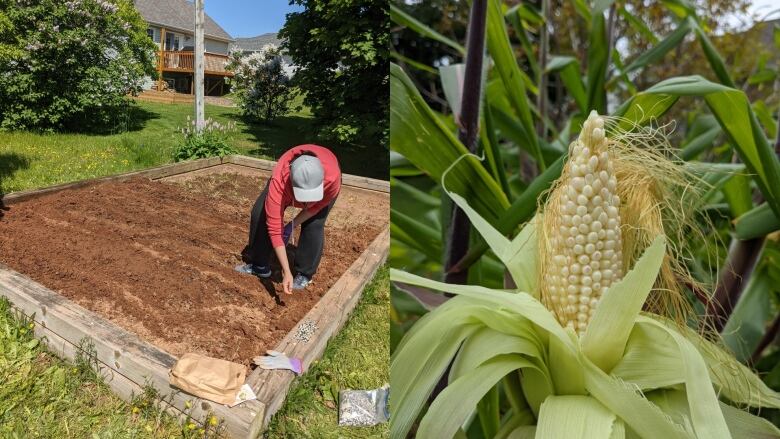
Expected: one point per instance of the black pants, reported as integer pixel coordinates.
(310, 244)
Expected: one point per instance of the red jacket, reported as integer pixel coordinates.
(280, 192)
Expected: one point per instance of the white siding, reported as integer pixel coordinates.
(214, 46)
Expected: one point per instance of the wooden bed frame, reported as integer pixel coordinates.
(128, 363)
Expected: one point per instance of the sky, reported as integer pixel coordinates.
(249, 18)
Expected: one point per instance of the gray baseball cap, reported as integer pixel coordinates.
(307, 178)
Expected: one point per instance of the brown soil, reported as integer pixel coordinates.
(157, 258)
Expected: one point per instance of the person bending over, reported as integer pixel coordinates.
(307, 177)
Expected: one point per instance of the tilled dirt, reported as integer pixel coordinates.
(157, 258)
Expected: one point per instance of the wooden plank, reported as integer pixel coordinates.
(121, 351)
(347, 179)
(329, 314)
(153, 173)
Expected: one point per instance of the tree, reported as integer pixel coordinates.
(341, 51)
(70, 64)
(261, 85)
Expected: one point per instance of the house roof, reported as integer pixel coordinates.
(254, 44)
(178, 15)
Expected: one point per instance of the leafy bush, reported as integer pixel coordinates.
(341, 51)
(70, 64)
(261, 86)
(211, 141)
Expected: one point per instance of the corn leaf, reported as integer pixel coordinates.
(650, 361)
(636, 411)
(454, 404)
(706, 416)
(569, 69)
(511, 75)
(736, 190)
(518, 302)
(735, 116)
(759, 221)
(598, 58)
(746, 324)
(576, 417)
(398, 16)
(731, 378)
(661, 49)
(565, 370)
(523, 432)
(518, 255)
(423, 139)
(487, 343)
(744, 424)
(605, 339)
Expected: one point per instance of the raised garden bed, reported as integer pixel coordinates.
(142, 265)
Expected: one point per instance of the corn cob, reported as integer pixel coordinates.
(585, 250)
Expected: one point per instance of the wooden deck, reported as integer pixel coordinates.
(128, 363)
(180, 61)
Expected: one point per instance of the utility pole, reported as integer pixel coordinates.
(199, 53)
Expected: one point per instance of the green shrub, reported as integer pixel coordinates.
(212, 140)
(261, 86)
(70, 65)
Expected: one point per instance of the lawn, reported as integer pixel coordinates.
(31, 160)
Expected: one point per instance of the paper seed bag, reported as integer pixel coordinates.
(208, 378)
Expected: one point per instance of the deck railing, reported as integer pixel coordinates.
(180, 61)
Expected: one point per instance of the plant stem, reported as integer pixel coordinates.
(769, 336)
(468, 129)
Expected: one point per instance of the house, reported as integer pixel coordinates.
(254, 44)
(171, 25)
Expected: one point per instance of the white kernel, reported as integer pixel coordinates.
(560, 260)
(582, 200)
(596, 255)
(572, 290)
(595, 265)
(580, 239)
(593, 237)
(612, 184)
(583, 259)
(590, 248)
(609, 254)
(578, 249)
(571, 193)
(593, 163)
(612, 211)
(576, 220)
(583, 228)
(604, 157)
(572, 279)
(582, 326)
(587, 191)
(570, 208)
(603, 264)
(605, 193)
(609, 245)
(593, 303)
(571, 309)
(604, 177)
(575, 268)
(587, 281)
(581, 210)
(597, 185)
(596, 277)
(555, 299)
(586, 291)
(600, 245)
(572, 231)
(577, 183)
(564, 271)
(583, 308)
(587, 270)
(616, 201)
(582, 317)
(596, 286)
(587, 219)
(570, 242)
(597, 200)
(607, 274)
(584, 300)
(612, 223)
(611, 235)
(589, 179)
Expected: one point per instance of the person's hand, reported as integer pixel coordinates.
(288, 230)
(287, 282)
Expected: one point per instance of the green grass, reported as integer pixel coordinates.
(357, 358)
(31, 160)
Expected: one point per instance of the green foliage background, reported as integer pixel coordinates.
(341, 49)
